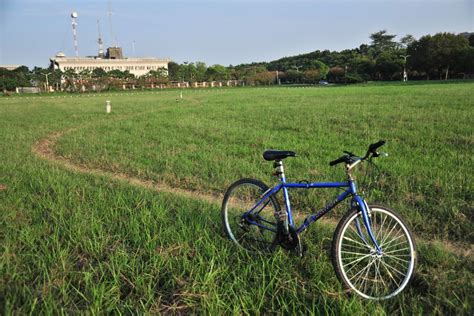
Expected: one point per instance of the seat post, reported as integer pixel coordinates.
(280, 172)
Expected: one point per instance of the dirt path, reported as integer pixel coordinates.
(44, 148)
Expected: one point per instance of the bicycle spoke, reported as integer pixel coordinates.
(257, 231)
(357, 260)
(397, 244)
(381, 227)
(362, 271)
(397, 263)
(390, 233)
(394, 269)
(397, 258)
(398, 250)
(377, 272)
(358, 242)
(373, 275)
(353, 253)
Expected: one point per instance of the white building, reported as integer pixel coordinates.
(113, 60)
(10, 67)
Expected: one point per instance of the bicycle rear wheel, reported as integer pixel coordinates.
(258, 231)
(356, 262)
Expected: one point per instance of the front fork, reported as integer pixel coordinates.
(360, 203)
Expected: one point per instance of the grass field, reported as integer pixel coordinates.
(117, 212)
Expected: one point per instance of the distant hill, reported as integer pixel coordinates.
(330, 58)
(467, 34)
(306, 60)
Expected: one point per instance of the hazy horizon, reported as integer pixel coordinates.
(216, 32)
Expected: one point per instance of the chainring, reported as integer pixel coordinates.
(290, 240)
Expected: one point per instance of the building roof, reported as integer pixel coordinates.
(106, 60)
(10, 67)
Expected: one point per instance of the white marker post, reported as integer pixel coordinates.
(181, 95)
(108, 108)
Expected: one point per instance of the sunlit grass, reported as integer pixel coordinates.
(75, 242)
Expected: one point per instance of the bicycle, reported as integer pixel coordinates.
(373, 251)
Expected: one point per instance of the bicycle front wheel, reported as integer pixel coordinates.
(257, 231)
(360, 268)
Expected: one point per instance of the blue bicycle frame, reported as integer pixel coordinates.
(351, 190)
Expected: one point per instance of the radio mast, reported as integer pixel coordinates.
(74, 33)
(112, 37)
(99, 41)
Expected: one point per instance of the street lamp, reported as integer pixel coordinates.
(405, 75)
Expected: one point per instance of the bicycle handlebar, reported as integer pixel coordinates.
(349, 158)
(373, 149)
(339, 160)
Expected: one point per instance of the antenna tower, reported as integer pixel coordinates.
(74, 32)
(112, 38)
(99, 41)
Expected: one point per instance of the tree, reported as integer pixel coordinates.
(264, 78)
(217, 73)
(406, 41)
(159, 76)
(320, 67)
(471, 40)
(381, 41)
(387, 64)
(447, 48)
(293, 76)
(99, 73)
(189, 71)
(311, 76)
(116, 73)
(336, 74)
(70, 78)
(173, 71)
(364, 66)
(422, 56)
(436, 54)
(201, 69)
(38, 77)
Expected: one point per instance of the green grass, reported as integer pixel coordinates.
(81, 242)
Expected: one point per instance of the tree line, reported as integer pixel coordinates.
(439, 56)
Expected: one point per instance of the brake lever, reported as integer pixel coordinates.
(379, 154)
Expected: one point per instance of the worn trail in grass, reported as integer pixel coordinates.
(45, 149)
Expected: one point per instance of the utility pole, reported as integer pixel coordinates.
(405, 75)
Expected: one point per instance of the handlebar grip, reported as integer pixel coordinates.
(338, 160)
(375, 146)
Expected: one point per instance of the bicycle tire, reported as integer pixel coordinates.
(357, 265)
(238, 199)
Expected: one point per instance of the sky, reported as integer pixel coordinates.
(216, 32)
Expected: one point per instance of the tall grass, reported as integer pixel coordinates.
(74, 242)
(208, 140)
